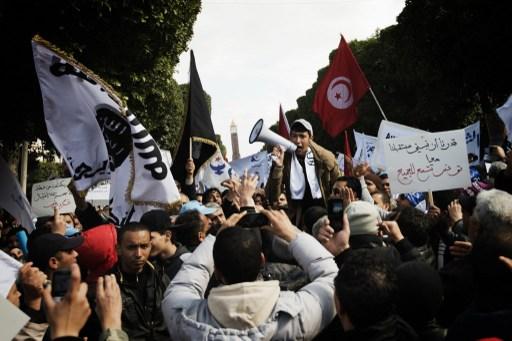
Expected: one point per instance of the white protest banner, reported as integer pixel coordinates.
(472, 132)
(258, 164)
(366, 145)
(47, 194)
(390, 130)
(427, 162)
(12, 198)
(99, 194)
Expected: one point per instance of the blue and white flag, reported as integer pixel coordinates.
(100, 139)
(213, 172)
(258, 164)
(365, 147)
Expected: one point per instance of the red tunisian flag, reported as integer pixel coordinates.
(339, 91)
(284, 127)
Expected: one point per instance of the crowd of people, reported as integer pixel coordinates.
(277, 262)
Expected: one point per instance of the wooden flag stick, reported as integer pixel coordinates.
(378, 104)
(190, 148)
(430, 199)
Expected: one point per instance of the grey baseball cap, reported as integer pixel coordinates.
(303, 123)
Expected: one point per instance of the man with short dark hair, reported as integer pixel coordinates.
(52, 251)
(308, 174)
(216, 218)
(366, 289)
(165, 250)
(142, 287)
(343, 182)
(244, 307)
(194, 224)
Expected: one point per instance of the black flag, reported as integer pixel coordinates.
(198, 127)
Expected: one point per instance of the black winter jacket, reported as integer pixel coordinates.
(142, 295)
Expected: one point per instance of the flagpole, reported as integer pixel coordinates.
(190, 148)
(378, 104)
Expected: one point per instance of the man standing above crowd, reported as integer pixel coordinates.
(308, 174)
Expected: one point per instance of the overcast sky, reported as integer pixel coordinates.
(253, 55)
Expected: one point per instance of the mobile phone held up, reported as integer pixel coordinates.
(60, 282)
(335, 213)
(253, 220)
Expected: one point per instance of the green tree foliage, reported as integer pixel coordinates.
(43, 171)
(465, 40)
(440, 68)
(133, 45)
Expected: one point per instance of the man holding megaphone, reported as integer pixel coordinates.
(308, 173)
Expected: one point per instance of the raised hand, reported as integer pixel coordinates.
(361, 169)
(109, 304)
(278, 154)
(68, 316)
(247, 188)
(281, 225)
(32, 281)
(455, 211)
(391, 228)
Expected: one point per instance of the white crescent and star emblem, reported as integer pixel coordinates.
(339, 93)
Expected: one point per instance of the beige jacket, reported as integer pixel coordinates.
(326, 168)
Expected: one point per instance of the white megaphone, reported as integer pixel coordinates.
(262, 134)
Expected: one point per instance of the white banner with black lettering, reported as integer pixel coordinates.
(99, 139)
(52, 193)
(55, 193)
(427, 162)
(390, 130)
(70, 98)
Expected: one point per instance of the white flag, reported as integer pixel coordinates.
(505, 113)
(340, 159)
(69, 99)
(213, 172)
(365, 147)
(100, 139)
(12, 198)
(258, 164)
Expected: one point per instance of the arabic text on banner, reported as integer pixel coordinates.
(427, 162)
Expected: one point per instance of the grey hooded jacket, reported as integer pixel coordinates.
(251, 310)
